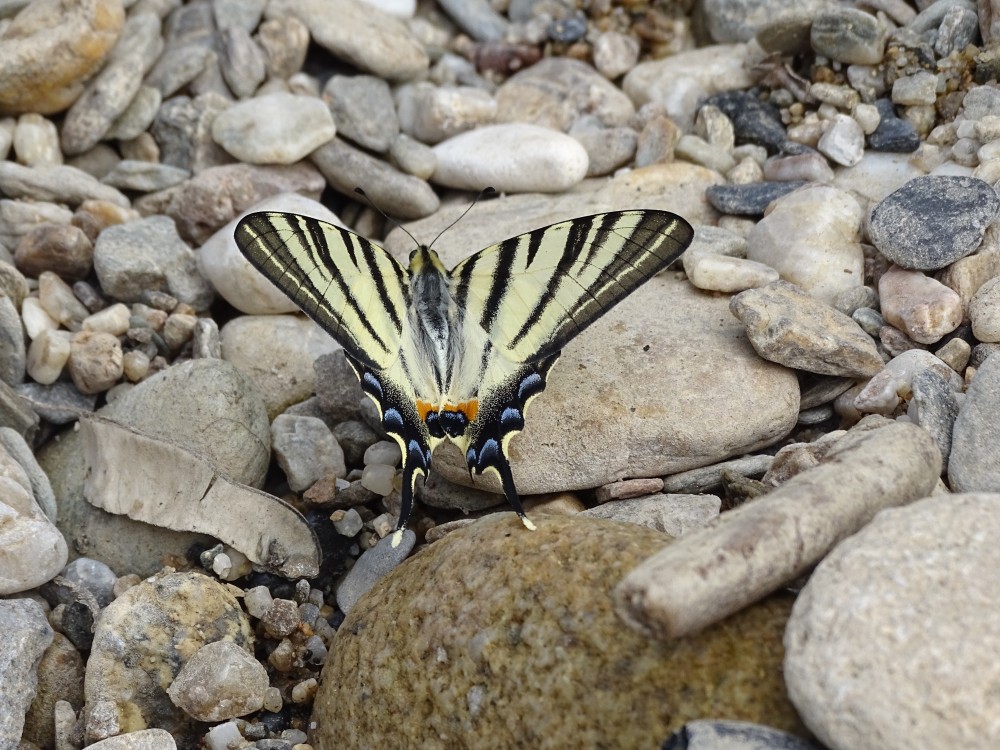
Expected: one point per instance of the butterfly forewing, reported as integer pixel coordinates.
(534, 293)
(354, 290)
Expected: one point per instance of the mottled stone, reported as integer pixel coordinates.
(905, 574)
(26, 636)
(363, 110)
(221, 680)
(535, 592)
(160, 623)
(787, 326)
(848, 35)
(748, 200)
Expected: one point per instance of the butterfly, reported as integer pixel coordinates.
(459, 354)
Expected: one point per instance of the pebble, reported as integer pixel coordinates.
(19, 450)
(672, 514)
(32, 551)
(241, 61)
(62, 248)
(432, 114)
(694, 149)
(111, 91)
(922, 307)
(363, 110)
(658, 140)
(220, 681)
(753, 121)
(396, 193)
(413, 157)
(787, 326)
(974, 465)
(306, 450)
(984, 311)
(882, 393)
(748, 200)
(144, 176)
(36, 141)
(607, 148)
(57, 299)
(284, 42)
(26, 636)
(511, 158)
(826, 257)
(277, 128)
(368, 38)
(12, 346)
(718, 273)
(60, 681)
(232, 276)
(95, 361)
(477, 18)
(798, 168)
(848, 35)
(47, 355)
(183, 129)
(57, 183)
(677, 592)
(893, 133)
(843, 141)
(906, 573)
(932, 221)
(371, 567)
(276, 353)
(682, 81)
(615, 53)
(133, 258)
(934, 407)
(144, 638)
(50, 50)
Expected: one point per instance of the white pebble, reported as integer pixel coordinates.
(718, 273)
(36, 141)
(277, 128)
(867, 116)
(35, 318)
(47, 356)
(513, 158)
(257, 601)
(348, 522)
(919, 88)
(383, 452)
(113, 320)
(843, 141)
(378, 478)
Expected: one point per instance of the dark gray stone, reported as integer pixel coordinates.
(363, 110)
(932, 221)
(59, 403)
(893, 133)
(13, 352)
(754, 121)
(748, 200)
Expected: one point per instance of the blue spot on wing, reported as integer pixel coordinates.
(392, 420)
(528, 386)
(374, 386)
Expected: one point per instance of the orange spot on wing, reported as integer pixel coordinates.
(424, 408)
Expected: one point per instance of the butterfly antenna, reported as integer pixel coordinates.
(385, 216)
(482, 194)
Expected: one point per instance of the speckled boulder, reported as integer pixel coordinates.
(500, 637)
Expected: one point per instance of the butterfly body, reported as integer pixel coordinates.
(459, 354)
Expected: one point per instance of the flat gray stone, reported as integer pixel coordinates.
(26, 636)
(371, 566)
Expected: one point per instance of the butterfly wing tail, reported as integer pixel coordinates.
(501, 416)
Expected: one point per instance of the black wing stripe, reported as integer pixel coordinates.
(501, 281)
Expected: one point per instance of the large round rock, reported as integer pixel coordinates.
(496, 636)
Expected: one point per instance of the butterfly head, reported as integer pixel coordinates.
(425, 259)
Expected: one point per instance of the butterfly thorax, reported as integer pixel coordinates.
(433, 322)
